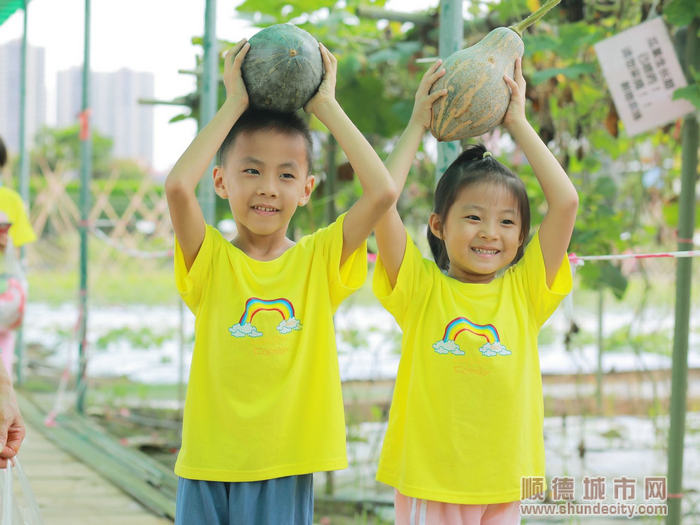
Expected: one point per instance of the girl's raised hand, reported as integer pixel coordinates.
(326, 91)
(516, 107)
(422, 108)
(233, 79)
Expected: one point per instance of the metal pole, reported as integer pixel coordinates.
(451, 36)
(23, 176)
(208, 98)
(331, 173)
(331, 216)
(85, 171)
(599, 370)
(686, 226)
(24, 154)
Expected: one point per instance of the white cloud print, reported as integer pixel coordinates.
(244, 330)
(447, 347)
(492, 349)
(287, 325)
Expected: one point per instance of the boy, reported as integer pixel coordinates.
(264, 408)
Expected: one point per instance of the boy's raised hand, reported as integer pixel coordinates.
(424, 99)
(516, 107)
(326, 91)
(233, 79)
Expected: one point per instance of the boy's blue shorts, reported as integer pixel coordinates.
(280, 501)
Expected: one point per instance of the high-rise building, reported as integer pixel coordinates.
(115, 111)
(10, 69)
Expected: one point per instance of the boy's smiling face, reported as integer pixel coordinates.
(264, 176)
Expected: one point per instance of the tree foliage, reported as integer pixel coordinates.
(60, 149)
(626, 184)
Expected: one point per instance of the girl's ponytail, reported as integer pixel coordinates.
(437, 246)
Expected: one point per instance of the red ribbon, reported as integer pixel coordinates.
(84, 118)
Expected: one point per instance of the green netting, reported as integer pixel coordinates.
(8, 7)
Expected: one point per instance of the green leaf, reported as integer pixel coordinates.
(691, 92)
(538, 43)
(612, 277)
(383, 56)
(577, 37)
(681, 12)
(570, 72)
(178, 118)
(606, 187)
(671, 214)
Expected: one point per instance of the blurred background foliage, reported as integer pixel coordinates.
(628, 186)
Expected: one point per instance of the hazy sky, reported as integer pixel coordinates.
(143, 35)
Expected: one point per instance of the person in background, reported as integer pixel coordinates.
(12, 429)
(15, 231)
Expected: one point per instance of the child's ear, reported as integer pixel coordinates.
(218, 176)
(435, 225)
(309, 186)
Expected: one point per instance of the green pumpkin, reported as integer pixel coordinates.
(283, 68)
(477, 96)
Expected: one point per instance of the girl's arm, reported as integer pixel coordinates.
(378, 191)
(390, 231)
(180, 186)
(562, 199)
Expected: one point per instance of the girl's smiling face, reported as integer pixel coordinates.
(482, 231)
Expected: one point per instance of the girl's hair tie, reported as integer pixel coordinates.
(486, 154)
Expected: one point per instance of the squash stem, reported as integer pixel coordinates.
(534, 17)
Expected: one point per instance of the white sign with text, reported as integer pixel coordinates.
(642, 71)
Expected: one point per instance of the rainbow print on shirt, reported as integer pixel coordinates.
(245, 327)
(448, 343)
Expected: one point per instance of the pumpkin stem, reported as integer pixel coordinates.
(534, 17)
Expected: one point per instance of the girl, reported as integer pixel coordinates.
(466, 419)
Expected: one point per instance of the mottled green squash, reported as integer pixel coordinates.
(477, 96)
(283, 68)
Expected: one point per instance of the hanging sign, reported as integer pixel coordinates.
(642, 71)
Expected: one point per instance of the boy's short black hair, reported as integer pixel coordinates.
(255, 119)
(3, 153)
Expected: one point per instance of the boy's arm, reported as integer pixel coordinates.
(180, 186)
(378, 192)
(560, 193)
(390, 231)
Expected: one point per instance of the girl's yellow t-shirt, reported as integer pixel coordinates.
(264, 397)
(466, 417)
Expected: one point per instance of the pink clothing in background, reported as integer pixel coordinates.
(7, 349)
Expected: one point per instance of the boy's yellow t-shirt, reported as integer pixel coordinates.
(264, 397)
(11, 203)
(466, 416)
